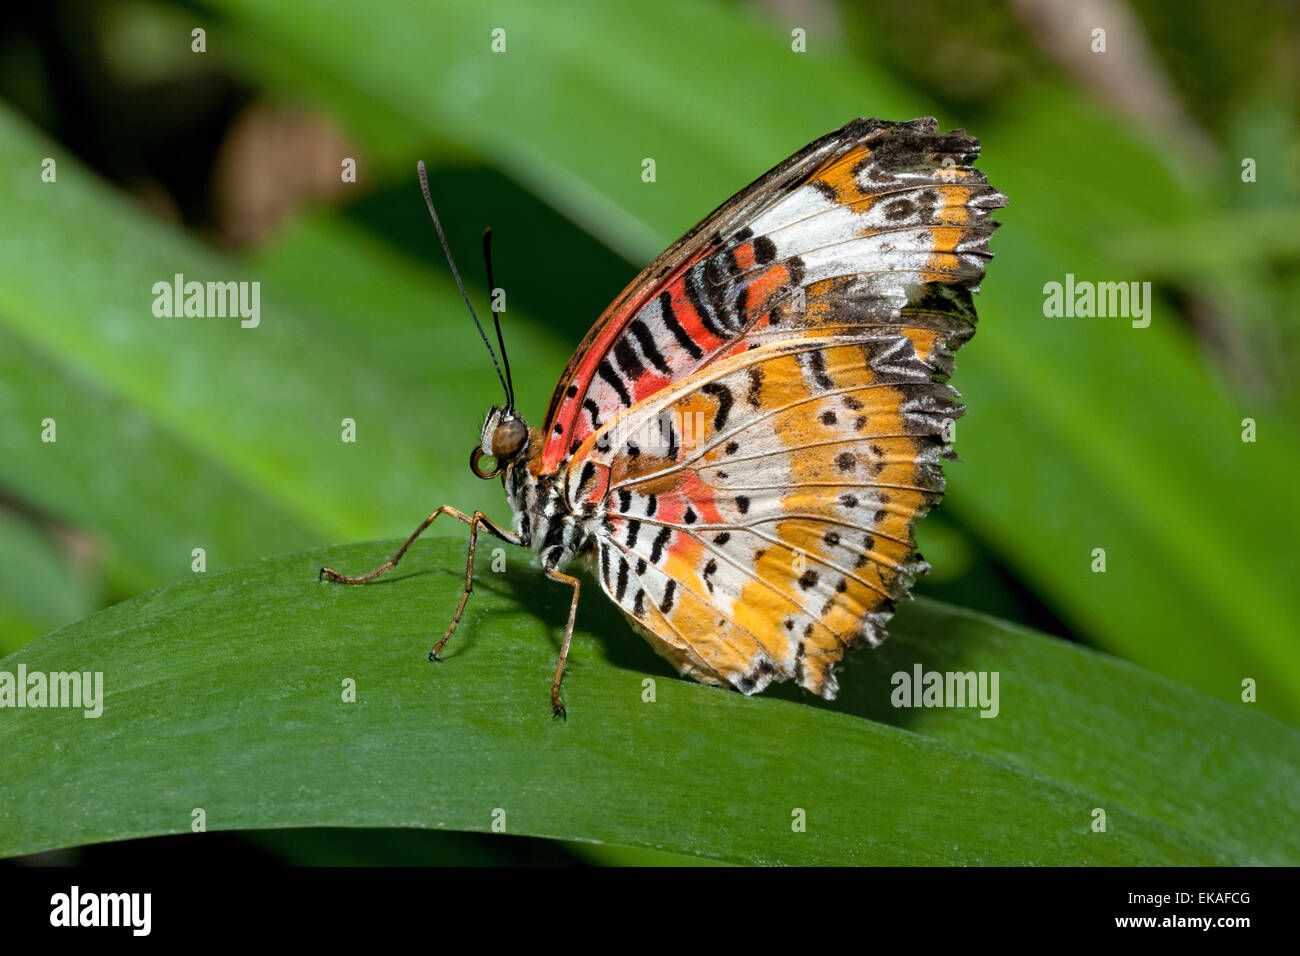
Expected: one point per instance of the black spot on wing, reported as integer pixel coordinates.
(627, 359)
(754, 395)
(669, 593)
(621, 588)
(741, 306)
(661, 540)
(826, 189)
(710, 569)
(648, 347)
(708, 318)
(675, 327)
(797, 271)
(816, 365)
(604, 565)
(722, 395)
(607, 372)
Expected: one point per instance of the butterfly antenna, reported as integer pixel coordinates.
(496, 316)
(428, 199)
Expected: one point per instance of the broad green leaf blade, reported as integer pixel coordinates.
(1102, 724)
(225, 693)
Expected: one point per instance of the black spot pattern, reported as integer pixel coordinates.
(754, 396)
(670, 590)
(722, 395)
(657, 548)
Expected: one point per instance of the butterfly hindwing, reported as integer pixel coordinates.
(767, 525)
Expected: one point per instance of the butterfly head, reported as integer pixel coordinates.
(504, 438)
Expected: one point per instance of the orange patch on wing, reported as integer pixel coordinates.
(923, 340)
(838, 175)
(862, 586)
(763, 285)
(725, 647)
(953, 217)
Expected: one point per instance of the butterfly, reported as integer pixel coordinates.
(745, 439)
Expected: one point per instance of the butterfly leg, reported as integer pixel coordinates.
(557, 705)
(332, 575)
(479, 519)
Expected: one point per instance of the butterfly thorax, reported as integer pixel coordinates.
(543, 519)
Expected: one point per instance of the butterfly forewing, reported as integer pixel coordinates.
(894, 205)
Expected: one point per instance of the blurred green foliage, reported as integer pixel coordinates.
(1081, 433)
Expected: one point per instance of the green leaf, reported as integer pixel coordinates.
(225, 693)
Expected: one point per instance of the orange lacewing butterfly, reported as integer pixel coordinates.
(745, 439)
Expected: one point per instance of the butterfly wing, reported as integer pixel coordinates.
(892, 205)
(770, 527)
(767, 419)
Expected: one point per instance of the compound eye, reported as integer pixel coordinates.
(475, 456)
(509, 438)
